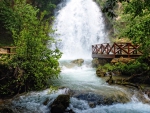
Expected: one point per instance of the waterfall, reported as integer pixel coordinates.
(78, 25)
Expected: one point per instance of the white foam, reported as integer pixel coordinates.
(79, 25)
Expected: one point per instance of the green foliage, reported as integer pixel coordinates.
(33, 56)
(101, 2)
(6, 21)
(131, 68)
(128, 69)
(33, 63)
(52, 89)
(110, 5)
(106, 68)
(46, 5)
(7, 16)
(136, 21)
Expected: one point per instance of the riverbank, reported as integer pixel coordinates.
(88, 93)
(125, 72)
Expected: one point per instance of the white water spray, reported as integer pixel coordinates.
(79, 25)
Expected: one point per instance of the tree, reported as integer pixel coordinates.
(110, 5)
(136, 15)
(134, 22)
(33, 63)
(46, 5)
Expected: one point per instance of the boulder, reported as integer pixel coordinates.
(110, 80)
(46, 101)
(100, 73)
(60, 104)
(147, 91)
(101, 61)
(78, 61)
(6, 110)
(92, 104)
(95, 62)
(123, 60)
(100, 99)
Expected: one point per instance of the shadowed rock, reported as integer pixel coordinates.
(60, 104)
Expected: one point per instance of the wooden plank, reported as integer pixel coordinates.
(7, 50)
(8, 47)
(114, 56)
(7, 53)
(127, 56)
(115, 48)
(102, 56)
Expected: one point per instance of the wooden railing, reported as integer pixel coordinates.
(116, 49)
(8, 50)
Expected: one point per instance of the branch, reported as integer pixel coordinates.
(135, 75)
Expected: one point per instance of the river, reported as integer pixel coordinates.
(79, 24)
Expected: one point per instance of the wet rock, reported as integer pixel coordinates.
(147, 91)
(6, 110)
(78, 61)
(95, 62)
(46, 101)
(60, 104)
(103, 61)
(69, 111)
(92, 104)
(116, 72)
(97, 99)
(100, 73)
(110, 80)
(123, 60)
(142, 96)
(59, 108)
(68, 91)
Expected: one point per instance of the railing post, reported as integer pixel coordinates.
(128, 50)
(114, 48)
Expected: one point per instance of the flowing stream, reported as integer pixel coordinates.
(80, 24)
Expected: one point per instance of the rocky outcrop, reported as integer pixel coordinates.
(6, 110)
(96, 62)
(60, 104)
(123, 60)
(97, 99)
(100, 72)
(147, 91)
(79, 62)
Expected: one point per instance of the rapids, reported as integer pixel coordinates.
(78, 25)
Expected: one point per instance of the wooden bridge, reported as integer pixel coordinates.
(116, 50)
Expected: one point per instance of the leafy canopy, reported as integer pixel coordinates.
(134, 22)
(34, 63)
(136, 15)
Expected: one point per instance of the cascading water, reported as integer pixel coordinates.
(79, 24)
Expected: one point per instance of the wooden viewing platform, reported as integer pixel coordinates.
(115, 50)
(7, 50)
